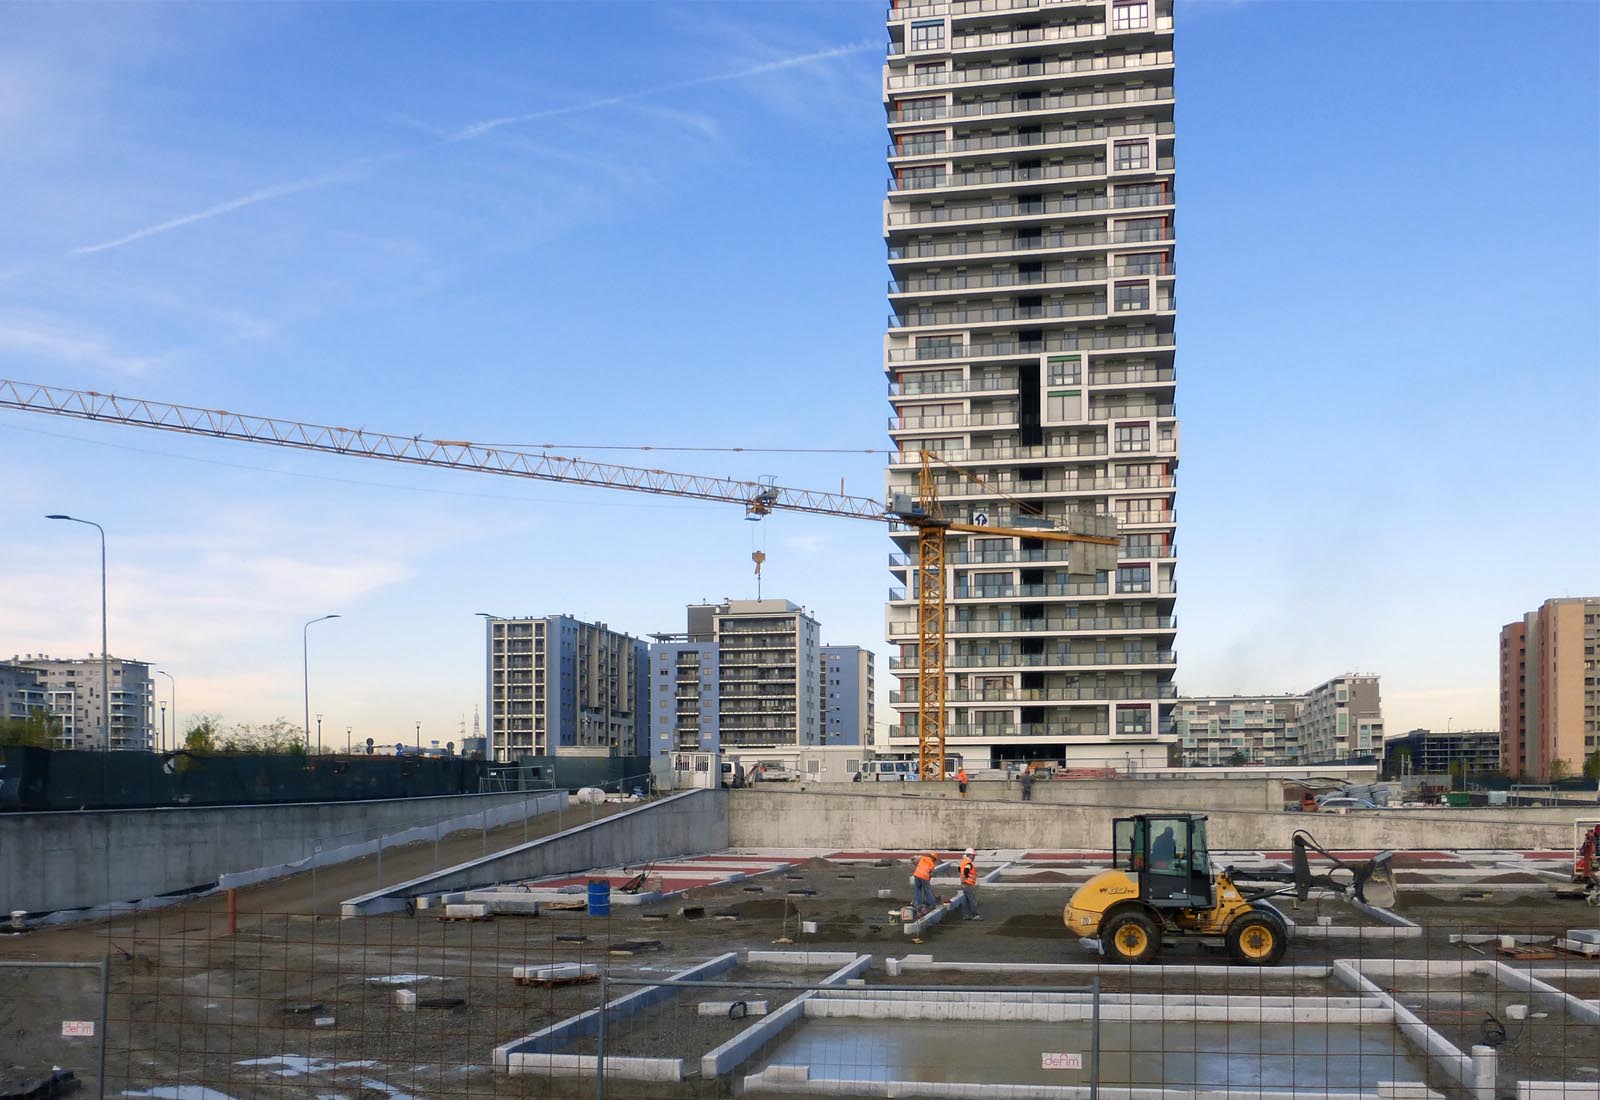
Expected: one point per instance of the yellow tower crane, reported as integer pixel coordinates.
(760, 498)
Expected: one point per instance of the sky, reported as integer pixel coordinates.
(607, 225)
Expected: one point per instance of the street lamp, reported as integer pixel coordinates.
(305, 669)
(174, 680)
(105, 674)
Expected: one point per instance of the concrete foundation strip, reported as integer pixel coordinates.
(795, 1079)
(1459, 1067)
(551, 1039)
(733, 1053)
(952, 1007)
(925, 962)
(584, 1065)
(1547, 994)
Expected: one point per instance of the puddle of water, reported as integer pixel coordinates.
(1140, 1054)
(404, 979)
(392, 1092)
(296, 1065)
(178, 1092)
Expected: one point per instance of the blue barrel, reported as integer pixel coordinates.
(599, 897)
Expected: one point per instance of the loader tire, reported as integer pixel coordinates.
(1131, 937)
(1257, 939)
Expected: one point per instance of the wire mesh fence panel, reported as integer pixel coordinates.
(52, 1027)
(1476, 999)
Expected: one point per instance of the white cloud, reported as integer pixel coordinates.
(31, 335)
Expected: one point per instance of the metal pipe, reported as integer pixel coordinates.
(600, 1042)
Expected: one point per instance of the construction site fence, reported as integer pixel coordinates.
(63, 779)
(202, 1001)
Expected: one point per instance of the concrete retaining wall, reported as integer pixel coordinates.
(1245, 793)
(82, 858)
(817, 819)
(682, 824)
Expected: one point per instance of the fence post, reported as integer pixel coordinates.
(105, 996)
(600, 1044)
(1094, 1043)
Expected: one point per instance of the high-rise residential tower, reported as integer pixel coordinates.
(1550, 689)
(1029, 221)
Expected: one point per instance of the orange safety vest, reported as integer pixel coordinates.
(969, 872)
(961, 776)
(925, 866)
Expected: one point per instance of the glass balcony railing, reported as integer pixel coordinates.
(1009, 452)
(981, 7)
(1135, 552)
(1022, 245)
(907, 628)
(1099, 98)
(1003, 418)
(930, 386)
(924, 180)
(1066, 341)
(912, 146)
(989, 315)
(1068, 66)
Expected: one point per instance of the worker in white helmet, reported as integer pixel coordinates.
(969, 884)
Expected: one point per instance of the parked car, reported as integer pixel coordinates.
(1344, 805)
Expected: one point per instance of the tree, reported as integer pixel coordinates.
(38, 730)
(1239, 759)
(1559, 770)
(277, 736)
(1591, 766)
(204, 734)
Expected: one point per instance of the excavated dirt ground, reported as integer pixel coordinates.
(303, 1006)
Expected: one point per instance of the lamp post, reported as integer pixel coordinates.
(319, 733)
(174, 698)
(305, 669)
(105, 673)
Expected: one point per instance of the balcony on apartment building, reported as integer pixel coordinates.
(1019, 245)
(1006, 72)
(952, 488)
(1010, 313)
(898, 12)
(1005, 452)
(1080, 693)
(1000, 108)
(907, 628)
(923, 387)
(1005, 347)
(956, 282)
(1131, 551)
(1078, 589)
(1032, 141)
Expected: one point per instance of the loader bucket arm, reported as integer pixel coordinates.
(1372, 882)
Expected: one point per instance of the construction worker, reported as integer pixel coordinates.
(969, 884)
(961, 780)
(1026, 782)
(922, 898)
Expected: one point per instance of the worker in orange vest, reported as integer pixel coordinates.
(922, 898)
(961, 780)
(969, 884)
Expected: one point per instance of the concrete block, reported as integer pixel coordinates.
(1406, 1090)
(724, 1008)
(886, 893)
(466, 911)
(1558, 1090)
(1516, 1012)
(808, 927)
(406, 999)
(891, 967)
(556, 973)
(1584, 935)
(787, 1073)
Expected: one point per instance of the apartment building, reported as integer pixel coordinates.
(1550, 689)
(558, 686)
(73, 694)
(1240, 729)
(848, 702)
(1441, 752)
(1342, 719)
(21, 691)
(745, 674)
(1030, 229)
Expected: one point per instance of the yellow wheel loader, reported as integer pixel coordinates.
(1162, 883)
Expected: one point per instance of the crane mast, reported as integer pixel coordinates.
(760, 498)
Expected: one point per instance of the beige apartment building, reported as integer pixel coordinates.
(1030, 229)
(1550, 689)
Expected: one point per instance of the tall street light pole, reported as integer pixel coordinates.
(305, 669)
(174, 697)
(105, 673)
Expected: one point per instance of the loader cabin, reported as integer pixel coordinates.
(1168, 853)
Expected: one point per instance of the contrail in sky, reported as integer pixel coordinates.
(360, 166)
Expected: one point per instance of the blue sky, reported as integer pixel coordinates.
(601, 224)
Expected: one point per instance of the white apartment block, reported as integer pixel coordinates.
(1030, 230)
(769, 662)
(558, 686)
(1226, 730)
(1342, 720)
(73, 694)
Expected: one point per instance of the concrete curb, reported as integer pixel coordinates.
(550, 1040)
(733, 1053)
(584, 1065)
